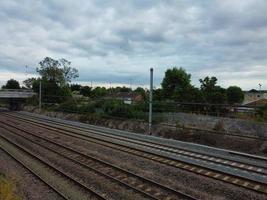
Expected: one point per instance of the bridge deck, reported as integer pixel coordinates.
(16, 94)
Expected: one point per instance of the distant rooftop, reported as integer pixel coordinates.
(255, 91)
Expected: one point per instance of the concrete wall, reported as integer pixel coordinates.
(224, 125)
(177, 121)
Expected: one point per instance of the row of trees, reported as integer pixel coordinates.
(102, 91)
(176, 85)
(56, 77)
(11, 84)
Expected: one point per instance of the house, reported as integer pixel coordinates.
(127, 97)
(255, 98)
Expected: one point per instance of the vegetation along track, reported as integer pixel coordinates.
(148, 188)
(98, 137)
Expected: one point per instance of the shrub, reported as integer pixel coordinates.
(261, 113)
(32, 101)
(117, 108)
(68, 106)
(87, 108)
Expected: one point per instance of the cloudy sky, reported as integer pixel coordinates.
(118, 41)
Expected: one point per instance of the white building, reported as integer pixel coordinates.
(254, 95)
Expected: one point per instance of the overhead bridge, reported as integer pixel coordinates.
(15, 97)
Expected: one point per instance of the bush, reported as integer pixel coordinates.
(74, 107)
(141, 106)
(87, 108)
(104, 108)
(234, 95)
(261, 113)
(117, 108)
(137, 114)
(68, 106)
(33, 101)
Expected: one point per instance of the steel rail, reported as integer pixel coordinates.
(23, 149)
(197, 156)
(210, 173)
(144, 141)
(35, 174)
(178, 193)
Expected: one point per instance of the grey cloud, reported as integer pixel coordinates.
(118, 41)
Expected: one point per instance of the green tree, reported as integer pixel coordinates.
(55, 76)
(51, 91)
(176, 85)
(86, 91)
(234, 95)
(35, 84)
(99, 92)
(116, 108)
(125, 89)
(191, 94)
(75, 87)
(141, 91)
(57, 71)
(261, 113)
(29, 82)
(211, 92)
(208, 83)
(11, 84)
(69, 72)
(157, 94)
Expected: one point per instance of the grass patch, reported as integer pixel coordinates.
(8, 189)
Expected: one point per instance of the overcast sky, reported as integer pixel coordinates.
(118, 41)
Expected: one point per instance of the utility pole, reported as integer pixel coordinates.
(260, 88)
(26, 70)
(40, 95)
(150, 102)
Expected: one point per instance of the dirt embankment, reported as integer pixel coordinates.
(210, 138)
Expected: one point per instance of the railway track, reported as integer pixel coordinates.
(79, 132)
(148, 188)
(140, 137)
(188, 153)
(56, 179)
(33, 172)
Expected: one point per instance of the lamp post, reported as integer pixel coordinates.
(40, 95)
(150, 102)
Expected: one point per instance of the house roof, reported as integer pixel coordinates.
(124, 95)
(255, 91)
(257, 103)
